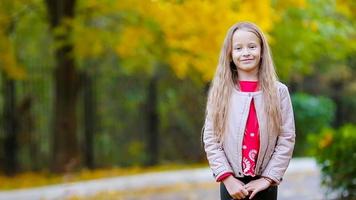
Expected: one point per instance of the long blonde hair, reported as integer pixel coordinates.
(226, 77)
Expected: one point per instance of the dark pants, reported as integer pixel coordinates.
(268, 194)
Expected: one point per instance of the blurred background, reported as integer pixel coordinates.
(89, 84)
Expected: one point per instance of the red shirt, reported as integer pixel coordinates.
(251, 141)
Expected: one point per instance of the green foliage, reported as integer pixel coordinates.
(308, 35)
(311, 115)
(335, 151)
(181, 113)
(349, 107)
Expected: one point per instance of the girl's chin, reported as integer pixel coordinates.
(247, 67)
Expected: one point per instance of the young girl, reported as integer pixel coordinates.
(249, 131)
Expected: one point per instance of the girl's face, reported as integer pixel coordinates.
(246, 51)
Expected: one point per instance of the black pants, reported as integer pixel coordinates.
(268, 194)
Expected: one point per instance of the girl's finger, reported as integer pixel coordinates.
(248, 187)
(241, 196)
(253, 194)
(244, 191)
(236, 196)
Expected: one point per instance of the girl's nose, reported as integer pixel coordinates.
(245, 52)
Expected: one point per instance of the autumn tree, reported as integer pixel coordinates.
(11, 71)
(66, 86)
(313, 48)
(186, 36)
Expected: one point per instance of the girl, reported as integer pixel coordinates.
(249, 131)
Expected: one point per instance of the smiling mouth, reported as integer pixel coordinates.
(246, 60)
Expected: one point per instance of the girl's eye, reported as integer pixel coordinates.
(237, 48)
(252, 47)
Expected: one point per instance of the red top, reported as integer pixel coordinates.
(251, 141)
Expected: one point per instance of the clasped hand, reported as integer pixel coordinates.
(238, 190)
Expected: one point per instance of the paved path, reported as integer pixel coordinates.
(300, 182)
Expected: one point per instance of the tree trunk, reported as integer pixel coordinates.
(10, 118)
(26, 129)
(10, 127)
(89, 120)
(337, 90)
(66, 85)
(152, 122)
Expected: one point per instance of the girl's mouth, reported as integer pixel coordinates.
(247, 60)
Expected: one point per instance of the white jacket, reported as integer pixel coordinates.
(275, 150)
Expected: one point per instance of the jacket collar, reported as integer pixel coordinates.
(259, 92)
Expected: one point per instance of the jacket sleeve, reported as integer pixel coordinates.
(283, 150)
(214, 151)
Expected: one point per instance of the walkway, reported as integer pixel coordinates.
(300, 182)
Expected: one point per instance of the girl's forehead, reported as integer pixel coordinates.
(244, 36)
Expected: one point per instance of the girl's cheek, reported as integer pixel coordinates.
(256, 51)
(234, 59)
(235, 54)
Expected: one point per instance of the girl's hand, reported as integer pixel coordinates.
(235, 187)
(256, 186)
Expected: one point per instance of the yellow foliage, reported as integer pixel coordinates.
(137, 46)
(132, 41)
(326, 140)
(314, 26)
(284, 4)
(87, 45)
(346, 7)
(192, 30)
(8, 62)
(262, 14)
(32, 179)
